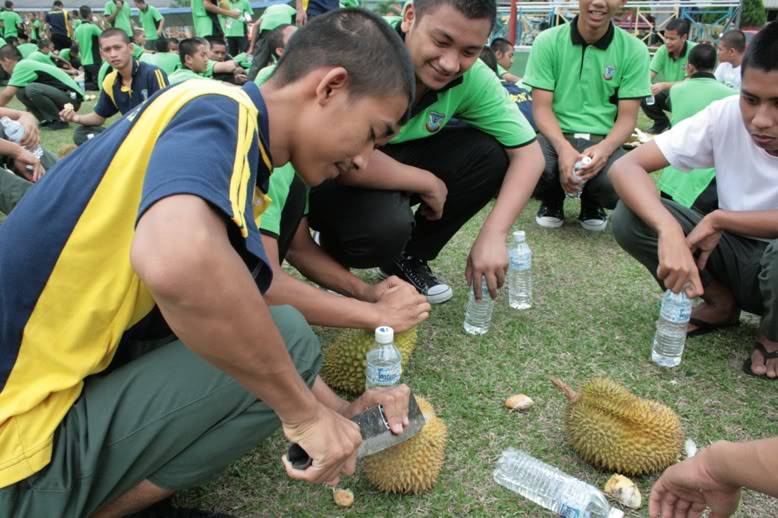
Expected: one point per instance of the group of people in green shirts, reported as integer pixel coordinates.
(188, 343)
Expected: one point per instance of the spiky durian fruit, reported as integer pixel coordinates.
(411, 466)
(612, 429)
(344, 359)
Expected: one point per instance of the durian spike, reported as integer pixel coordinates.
(569, 393)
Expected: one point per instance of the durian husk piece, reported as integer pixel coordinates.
(343, 497)
(412, 466)
(624, 491)
(613, 429)
(345, 358)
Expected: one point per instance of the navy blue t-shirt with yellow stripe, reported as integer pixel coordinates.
(146, 80)
(69, 290)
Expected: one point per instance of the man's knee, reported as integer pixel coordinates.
(301, 342)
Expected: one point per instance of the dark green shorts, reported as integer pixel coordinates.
(168, 417)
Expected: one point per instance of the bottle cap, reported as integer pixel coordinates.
(519, 235)
(384, 335)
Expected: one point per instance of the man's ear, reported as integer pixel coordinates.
(334, 82)
(409, 15)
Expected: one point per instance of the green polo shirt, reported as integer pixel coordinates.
(184, 74)
(168, 62)
(122, 20)
(137, 52)
(149, 20)
(588, 80)
(668, 68)
(29, 71)
(264, 74)
(25, 49)
(686, 99)
(76, 23)
(36, 28)
(237, 28)
(275, 15)
(65, 54)
(40, 57)
(243, 60)
(203, 23)
(11, 20)
(87, 35)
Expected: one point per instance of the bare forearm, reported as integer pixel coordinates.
(211, 302)
(524, 170)
(7, 94)
(89, 119)
(384, 172)
(754, 223)
(224, 67)
(549, 126)
(752, 464)
(624, 126)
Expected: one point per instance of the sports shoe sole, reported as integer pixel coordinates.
(547, 222)
(594, 225)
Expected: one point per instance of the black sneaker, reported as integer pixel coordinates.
(57, 125)
(417, 272)
(593, 218)
(549, 216)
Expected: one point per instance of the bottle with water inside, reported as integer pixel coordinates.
(384, 366)
(585, 161)
(520, 273)
(551, 488)
(478, 313)
(14, 131)
(670, 336)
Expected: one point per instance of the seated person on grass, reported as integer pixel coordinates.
(275, 42)
(164, 58)
(44, 53)
(668, 67)
(587, 77)
(195, 63)
(273, 17)
(366, 218)
(43, 89)
(87, 35)
(145, 229)
(730, 256)
(25, 49)
(137, 52)
(129, 84)
(503, 51)
(217, 53)
(72, 56)
(731, 48)
(695, 188)
(521, 96)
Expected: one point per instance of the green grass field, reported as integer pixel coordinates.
(593, 315)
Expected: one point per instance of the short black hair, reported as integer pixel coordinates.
(113, 31)
(501, 45)
(216, 40)
(9, 4)
(678, 25)
(43, 43)
(762, 53)
(703, 57)
(85, 12)
(489, 58)
(734, 40)
(275, 38)
(188, 47)
(161, 45)
(472, 9)
(8, 51)
(57, 3)
(360, 41)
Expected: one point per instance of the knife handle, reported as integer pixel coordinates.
(298, 457)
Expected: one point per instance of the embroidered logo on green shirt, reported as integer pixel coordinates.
(434, 120)
(609, 72)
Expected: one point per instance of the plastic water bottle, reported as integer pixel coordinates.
(670, 336)
(384, 366)
(577, 179)
(551, 488)
(478, 313)
(14, 131)
(520, 273)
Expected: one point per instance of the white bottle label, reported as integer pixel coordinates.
(676, 313)
(521, 261)
(568, 511)
(383, 376)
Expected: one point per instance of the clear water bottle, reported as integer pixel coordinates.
(520, 273)
(577, 179)
(478, 313)
(384, 366)
(551, 488)
(14, 131)
(670, 336)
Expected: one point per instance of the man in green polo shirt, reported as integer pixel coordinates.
(587, 79)
(43, 89)
(365, 219)
(195, 62)
(43, 54)
(205, 17)
(503, 51)
(87, 35)
(117, 14)
(235, 29)
(667, 68)
(152, 21)
(697, 188)
(36, 28)
(11, 21)
(164, 59)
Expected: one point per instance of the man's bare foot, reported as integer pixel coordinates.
(758, 365)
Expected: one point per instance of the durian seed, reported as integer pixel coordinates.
(624, 491)
(343, 497)
(519, 402)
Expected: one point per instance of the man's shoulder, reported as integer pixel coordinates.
(629, 42)
(552, 35)
(476, 76)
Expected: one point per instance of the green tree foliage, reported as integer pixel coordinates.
(754, 14)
